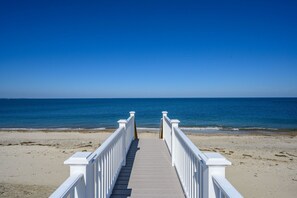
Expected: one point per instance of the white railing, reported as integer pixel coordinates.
(94, 174)
(202, 174)
(223, 187)
(74, 184)
(167, 130)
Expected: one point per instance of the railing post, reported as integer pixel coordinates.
(174, 124)
(164, 113)
(122, 123)
(80, 164)
(132, 114)
(213, 165)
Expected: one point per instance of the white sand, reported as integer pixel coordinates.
(262, 166)
(31, 163)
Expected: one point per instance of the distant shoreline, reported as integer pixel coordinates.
(189, 131)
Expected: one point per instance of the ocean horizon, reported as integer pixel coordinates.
(195, 114)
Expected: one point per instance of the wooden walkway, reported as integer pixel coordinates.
(148, 172)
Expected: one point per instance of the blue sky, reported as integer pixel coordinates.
(53, 49)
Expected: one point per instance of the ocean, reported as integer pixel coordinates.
(195, 114)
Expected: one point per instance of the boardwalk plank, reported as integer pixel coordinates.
(148, 172)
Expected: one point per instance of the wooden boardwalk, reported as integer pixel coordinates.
(148, 172)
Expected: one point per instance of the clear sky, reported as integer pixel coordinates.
(53, 49)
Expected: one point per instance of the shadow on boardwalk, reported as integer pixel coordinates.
(121, 189)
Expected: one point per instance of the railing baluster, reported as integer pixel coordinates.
(98, 161)
(71, 195)
(191, 175)
(104, 175)
(95, 170)
(196, 179)
(112, 163)
(108, 170)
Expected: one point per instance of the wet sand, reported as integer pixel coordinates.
(31, 162)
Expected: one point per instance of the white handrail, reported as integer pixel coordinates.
(105, 145)
(199, 154)
(100, 169)
(68, 187)
(108, 163)
(202, 174)
(224, 188)
(188, 164)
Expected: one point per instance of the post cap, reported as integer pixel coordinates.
(79, 158)
(164, 113)
(132, 113)
(122, 122)
(216, 159)
(174, 121)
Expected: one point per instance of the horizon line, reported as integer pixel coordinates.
(202, 97)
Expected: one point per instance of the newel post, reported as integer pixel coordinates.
(213, 165)
(122, 123)
(174, 124)
(164, 114)
(132, 114)
(79, 164)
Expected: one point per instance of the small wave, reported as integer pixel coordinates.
(201, 128)
(148, 129)
(226, 129)
(102, 128)
(258, 128)
(235, 129)
(23, 129)
(50, 129)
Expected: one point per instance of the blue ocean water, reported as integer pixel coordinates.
(211, 113)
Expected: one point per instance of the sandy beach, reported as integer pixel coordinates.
(31, 162)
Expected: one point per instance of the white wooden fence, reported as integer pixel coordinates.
(202, 174)
(94, 174)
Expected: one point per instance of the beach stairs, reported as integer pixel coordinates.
(125, 166)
